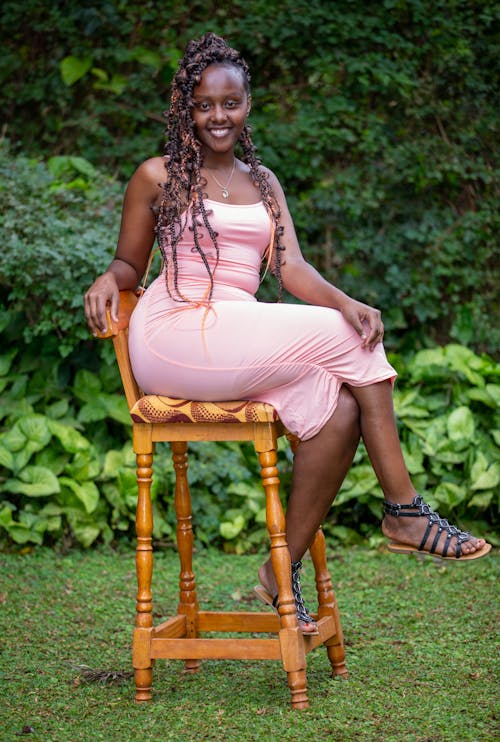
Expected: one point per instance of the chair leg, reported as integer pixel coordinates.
(327, 604)
(188, 601)
(142, 662)
(291, 641)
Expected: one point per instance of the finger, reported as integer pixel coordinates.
(115, 302)
(101, 318)
(89, 314)
(374, 327)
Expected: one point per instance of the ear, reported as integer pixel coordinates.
(249, 105)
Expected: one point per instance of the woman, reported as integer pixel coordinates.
(199, 333)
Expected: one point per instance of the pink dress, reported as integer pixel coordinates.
(296, 357)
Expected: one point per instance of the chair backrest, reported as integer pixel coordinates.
(118, 331)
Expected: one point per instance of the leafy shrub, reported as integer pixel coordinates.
(447, 402)
(59, 223)
(67, 470)
(383, 130)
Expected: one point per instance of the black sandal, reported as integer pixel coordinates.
(418, 508)
(303, 617)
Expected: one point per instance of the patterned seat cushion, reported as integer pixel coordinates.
(156, 409)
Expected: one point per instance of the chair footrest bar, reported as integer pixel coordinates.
(216, 649)
(238, 621)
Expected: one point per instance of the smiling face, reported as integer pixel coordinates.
(221, 106)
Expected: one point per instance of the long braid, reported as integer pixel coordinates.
(183, 187)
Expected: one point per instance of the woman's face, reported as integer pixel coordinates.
(221, 106)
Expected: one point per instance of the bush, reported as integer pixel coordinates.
(67, 471)
(383, 130)
(60, 222)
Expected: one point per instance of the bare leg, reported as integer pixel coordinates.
(380, 435)
(319, 468)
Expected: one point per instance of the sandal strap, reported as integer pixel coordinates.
(418, 508)
(302, 613)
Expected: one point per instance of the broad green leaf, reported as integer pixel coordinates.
(481, 395)
(70, 439)
(260, 516)
(87, 493)
(23, 534)
(414, 458)
(117, 408)
(58, 409)
(86, 533)
(481, 500)
(6, 361)
(450, 494)
(496, 436)
(28, 435)
(431, 357)
(230, 529)
(86, 385)
(83, 466)
(83, 166)
(6, 457)
(6, 515)
(113, 461)
(105, 406)
(360, 480)
(74, 68)
(462, 359)
(487, 479)
(36, 430)
(33, 481)
(461, 424)
(494, 392)
(148, 57)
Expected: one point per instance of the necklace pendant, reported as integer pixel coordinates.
(225, 193)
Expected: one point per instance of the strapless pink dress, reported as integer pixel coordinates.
(296, 357)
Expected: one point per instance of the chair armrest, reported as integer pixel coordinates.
(128, 300)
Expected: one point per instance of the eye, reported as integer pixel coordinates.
(202, 106)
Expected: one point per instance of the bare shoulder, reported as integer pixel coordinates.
(151, 170)
(273, 180)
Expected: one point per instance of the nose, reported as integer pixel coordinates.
(219, 113)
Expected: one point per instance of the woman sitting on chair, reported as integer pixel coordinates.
(198, 332)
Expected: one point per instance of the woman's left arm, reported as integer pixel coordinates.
(302, 280)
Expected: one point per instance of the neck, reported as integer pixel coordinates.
(222, 162)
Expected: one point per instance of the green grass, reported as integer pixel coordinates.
(420, 650)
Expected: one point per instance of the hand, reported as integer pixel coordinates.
(103, 292)
(366, 320)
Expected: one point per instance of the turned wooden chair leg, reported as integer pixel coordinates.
(291, 641)
(327, 605)
(188, 601)
(142, 662)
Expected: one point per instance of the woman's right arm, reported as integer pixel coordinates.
(137, 235)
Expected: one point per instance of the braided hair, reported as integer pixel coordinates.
(183, 161)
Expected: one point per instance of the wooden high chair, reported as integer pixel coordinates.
(157, 418)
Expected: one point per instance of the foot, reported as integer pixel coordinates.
(415, 527)
(266, 578)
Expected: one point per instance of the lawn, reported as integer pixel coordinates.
(420, 642)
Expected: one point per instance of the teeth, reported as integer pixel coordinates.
(219, 132)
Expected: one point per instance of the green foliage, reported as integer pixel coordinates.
(383, 130)
(447, 402)
(59, 223)
(383, 133)
(67, 469)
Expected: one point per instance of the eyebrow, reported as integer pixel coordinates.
(231, 94)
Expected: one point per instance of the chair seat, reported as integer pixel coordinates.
(154, 408)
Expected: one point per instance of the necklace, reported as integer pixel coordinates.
(225, 192)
